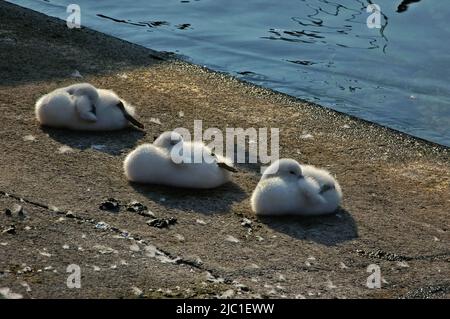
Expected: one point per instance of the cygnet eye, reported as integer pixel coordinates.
(174, 142)
(292, 172)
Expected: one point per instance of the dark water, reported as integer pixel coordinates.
(317, 50)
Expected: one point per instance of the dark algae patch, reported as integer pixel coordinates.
(162, 223)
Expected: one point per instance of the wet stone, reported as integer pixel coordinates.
(242, 287)
(136, 207)
(10, 230)
(125, 234)
(140, 209)
(162, 223)
(147, 214)
(111, 205)
(246, 222)
(27, 269)
(22, 213)
(69, 214)
(17, 210)
(231, 239)
(102, 226)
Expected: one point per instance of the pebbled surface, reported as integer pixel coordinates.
(396, 188)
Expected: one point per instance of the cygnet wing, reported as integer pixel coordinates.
(85, 108)
(80, 89)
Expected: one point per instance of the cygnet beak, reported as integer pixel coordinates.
(301, 176)
(227, 167)
(128, 116)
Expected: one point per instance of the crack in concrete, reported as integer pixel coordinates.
(23, 200)
(380, 254)
(167, 256)
(428, 292)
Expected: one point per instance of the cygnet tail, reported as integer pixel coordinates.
(227, 167)
(128, 116)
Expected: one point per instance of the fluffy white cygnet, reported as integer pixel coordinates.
(167, 162)
(288, 188)
(84, 107)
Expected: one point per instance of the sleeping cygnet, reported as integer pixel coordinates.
(168, 162)
(288, 188)
(84, 107)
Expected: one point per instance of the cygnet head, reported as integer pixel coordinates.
(83, 89)
(285, 168)
(168, 140)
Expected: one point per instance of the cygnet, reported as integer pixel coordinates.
(84, 107)
(172, 161)
(288, 188)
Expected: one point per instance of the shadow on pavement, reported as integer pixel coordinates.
(205, 201)
(329, 230)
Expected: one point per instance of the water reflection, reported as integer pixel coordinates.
(331, 23)
(148, 24)
(319, 50)
(402, 7)
(384, 24)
